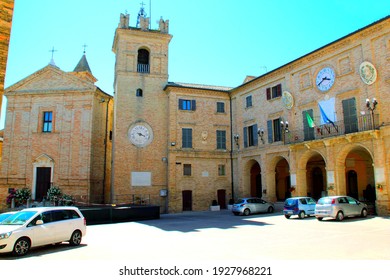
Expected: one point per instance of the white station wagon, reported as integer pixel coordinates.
(41, 226)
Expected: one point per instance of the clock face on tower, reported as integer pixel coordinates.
(325, 79)
(140, 134)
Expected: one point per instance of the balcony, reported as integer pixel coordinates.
(339, 128)
(143, 68)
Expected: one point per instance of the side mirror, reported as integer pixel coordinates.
(39, 222)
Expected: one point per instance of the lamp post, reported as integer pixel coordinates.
(371, 107)
(284, 127)
(260, 132)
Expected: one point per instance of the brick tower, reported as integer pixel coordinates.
(139, 169)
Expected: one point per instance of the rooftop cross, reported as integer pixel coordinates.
(84, 46)
(52, 56)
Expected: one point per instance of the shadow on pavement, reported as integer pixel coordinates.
(196, 221)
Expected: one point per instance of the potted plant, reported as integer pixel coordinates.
(214, 206)
(54, 194)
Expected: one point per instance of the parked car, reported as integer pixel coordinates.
(338, 207)
(251, 205)
(33, 227)
(302, 206)
(5, 215)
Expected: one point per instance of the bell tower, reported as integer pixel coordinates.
(139, 168)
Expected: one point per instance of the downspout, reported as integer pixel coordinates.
(105, 155)
(231, 145)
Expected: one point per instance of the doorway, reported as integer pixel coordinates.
(352, 184)
(43, 182)
(221, 194)
(187, 200)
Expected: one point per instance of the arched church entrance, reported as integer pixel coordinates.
(256, 182)
(316, 176)
(282, 179)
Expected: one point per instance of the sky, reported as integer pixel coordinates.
(215, 42)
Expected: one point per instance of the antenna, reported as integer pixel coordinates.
(150, 14)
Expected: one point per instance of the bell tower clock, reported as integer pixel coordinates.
(140, 110)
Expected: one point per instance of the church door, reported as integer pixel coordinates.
(187, 200)
(43, 182)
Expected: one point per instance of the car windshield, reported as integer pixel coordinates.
(18, 218)
(290, 202)
(324, 200)
(3, 216)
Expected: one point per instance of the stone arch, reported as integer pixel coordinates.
(278, 168)
(253, 182)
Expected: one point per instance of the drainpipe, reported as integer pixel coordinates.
(231, 145)
(105, 154)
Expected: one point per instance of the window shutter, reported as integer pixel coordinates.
(279, 90)
(193, 105)
(255, 135)
(180, 104)
(270, 132)
(268, 93)
(245, 137)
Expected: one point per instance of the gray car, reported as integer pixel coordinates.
(251, 205)
(338, 207)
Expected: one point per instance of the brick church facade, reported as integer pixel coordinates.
(317, 125)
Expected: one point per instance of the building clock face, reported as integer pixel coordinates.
(140, 135)
(325, 79)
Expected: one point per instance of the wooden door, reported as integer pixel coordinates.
(42, 182)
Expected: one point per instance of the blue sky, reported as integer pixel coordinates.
(215, 42)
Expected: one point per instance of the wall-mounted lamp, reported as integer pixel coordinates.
(164, 159)
(236, 137)
(371, 107)
(173, 144)
(260, 132)
(284, 127)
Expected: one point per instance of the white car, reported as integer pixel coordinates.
(40, 226)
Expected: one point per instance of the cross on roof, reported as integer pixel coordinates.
(84, 46)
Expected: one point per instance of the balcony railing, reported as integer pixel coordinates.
(143, 68)
(363, 123)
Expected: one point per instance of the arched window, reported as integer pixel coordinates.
(138, 92)
(143, 61)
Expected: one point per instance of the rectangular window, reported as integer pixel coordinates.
(187, 169)
(186, 137)
(221, 139)
(221, 170)
(350, 115)
(220, 107)
(47, 121)
(274, 92)
(274, 130)
(248, 101)
(187, 105)
(250, 136)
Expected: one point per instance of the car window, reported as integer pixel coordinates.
(239, 201)
(311, 201)
(250, 200)
(351, 200)
(324, 201)
(342, 200)
(303, 200)
(290, 202)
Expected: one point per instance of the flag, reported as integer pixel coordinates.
(324, 117)
(310, 120)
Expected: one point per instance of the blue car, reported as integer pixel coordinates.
(302, 206)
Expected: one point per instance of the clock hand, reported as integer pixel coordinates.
(140, 134)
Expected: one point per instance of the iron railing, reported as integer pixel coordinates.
(143, 68)
(338, 128)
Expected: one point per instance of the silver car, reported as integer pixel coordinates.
(251, 205)
(338, 207)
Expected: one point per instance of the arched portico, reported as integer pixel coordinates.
(253, 184)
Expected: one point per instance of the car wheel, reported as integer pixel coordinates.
(287, 216)
(364, 213)
(75, 239)
(319, 218)
(247, 212)
(340, 216)
(21, 247)
(270, 209)
(301, 215)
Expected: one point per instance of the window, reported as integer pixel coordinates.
(187, 169)
(221, 139)
(187, 105)
(350, 115)
(138, 92)
(47, 121)
(143, 61)
(274, 130)
(248, 101)
(221, 170)
(187, 138)
(274, 92)
(220, 107)
(250, 136)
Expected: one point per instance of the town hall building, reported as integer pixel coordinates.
(315, 126)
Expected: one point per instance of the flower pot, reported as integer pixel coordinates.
(215, 208)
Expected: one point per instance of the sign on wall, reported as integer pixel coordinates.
(141, 179)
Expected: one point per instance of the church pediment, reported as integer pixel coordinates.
(50, 79)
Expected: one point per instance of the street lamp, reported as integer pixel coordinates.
(371, 107)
